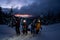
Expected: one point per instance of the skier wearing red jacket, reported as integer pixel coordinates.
(25, 27)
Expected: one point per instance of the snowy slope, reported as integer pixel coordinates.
(48, 32)
(6, 31)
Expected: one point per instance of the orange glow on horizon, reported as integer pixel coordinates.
(23, 15)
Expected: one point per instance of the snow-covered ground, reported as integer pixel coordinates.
(48, 32)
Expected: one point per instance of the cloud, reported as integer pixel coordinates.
(42, 6)
(34, 7)
(15, 3)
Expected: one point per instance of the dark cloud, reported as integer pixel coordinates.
(42, 6)
(33, 6)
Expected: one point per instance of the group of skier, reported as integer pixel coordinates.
(15, 22)
(35, 26)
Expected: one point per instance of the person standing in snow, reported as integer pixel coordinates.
(33, 27)
(25, 27)
(38, 26)
(17, 26)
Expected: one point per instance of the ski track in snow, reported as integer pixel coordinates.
(21, 37)
(48, 32)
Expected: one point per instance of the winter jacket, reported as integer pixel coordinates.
(37, 25)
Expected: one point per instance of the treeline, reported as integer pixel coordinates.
(5, 17)
(50, 18)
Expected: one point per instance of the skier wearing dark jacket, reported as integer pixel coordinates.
(17, 26)
(33, 27)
